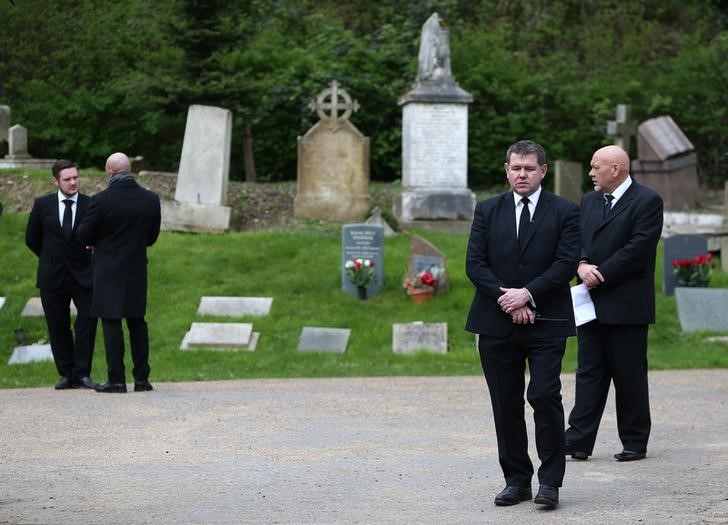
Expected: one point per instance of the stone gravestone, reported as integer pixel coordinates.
(434, 137)
(424, 256)
(200, 198)
(30, 354)
(2, 302)
(377, 219)
(220, 336)
(667, 163)
(17, 143)
(333, 162)
(412, 337)
(622, 128)
(568, 180)
(4, 123)
(34, 308)
(331, 340)
(363, 241)
(702, 309)
(235, 306)
(679, 247)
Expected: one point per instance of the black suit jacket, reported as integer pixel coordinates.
(44, 235)
(623, 247)
(121, 222)
(544, 266)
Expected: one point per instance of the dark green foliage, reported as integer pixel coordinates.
(90, 77)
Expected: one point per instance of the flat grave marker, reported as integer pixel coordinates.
(30, 354)
(235, 306)
(418, 336)
(320, 339)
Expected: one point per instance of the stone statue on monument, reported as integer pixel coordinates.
(434, 54)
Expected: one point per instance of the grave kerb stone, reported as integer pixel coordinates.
(30, 354)
(234, 306)
(321, 339)
(412, 337)
(218, 335)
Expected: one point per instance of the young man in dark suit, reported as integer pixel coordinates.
(522, 253)
(621, 224)
(64, 274)
(120, 223)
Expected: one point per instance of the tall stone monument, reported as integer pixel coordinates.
(200, 197)
(333, 162)
(434, 137)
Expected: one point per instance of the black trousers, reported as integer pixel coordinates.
(504, 364)
(72, 357)
(114, 343)
(611, 353)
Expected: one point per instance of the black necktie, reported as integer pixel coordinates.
(523, 222)
(67, 219)
(607, 204)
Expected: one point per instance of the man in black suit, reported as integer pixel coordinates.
(120, 223)
(522, 253)
(64, 274)
(621, 224)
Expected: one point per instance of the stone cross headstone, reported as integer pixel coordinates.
(622, 128)
(424, 256)
(363, 241)
(568, 177)
(434, 137)
(333, 162)
(667, 163)
(316, 339)
(200, 198)
(17, 143)
(412, 337)
(676, 248)
(4, 123)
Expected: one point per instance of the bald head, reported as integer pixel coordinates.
(609, 168)
(117, 163)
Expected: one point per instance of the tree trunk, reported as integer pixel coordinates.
(248, 157)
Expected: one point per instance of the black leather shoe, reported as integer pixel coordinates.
(547, 496)
(84, 382)
(63, 384)
(142, 386)
(574, 453)
(630, 455)
(111, 388)
(513, 496)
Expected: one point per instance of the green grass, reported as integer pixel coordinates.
(301, 272)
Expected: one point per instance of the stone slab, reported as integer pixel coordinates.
(319, 339)
(188, 217)
(4, 123)
(34, 308)
(2, 302)
(38, 164)
(702, 308)
(30, 354)
(412, 337)
(205, 160)
(423, 204)
(363, 241)
(235, 306)
(568, 179)
(218, 335)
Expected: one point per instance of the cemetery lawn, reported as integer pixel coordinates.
(301, 271)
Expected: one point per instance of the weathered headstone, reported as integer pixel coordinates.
(667, 163)
(235, 306)
(376, 219)
(333, 162)
(434, 137)
(17, 143)
(220, 336)
(30, 354)
(200, 198)
(363, 241)
(316, 339)
(4, 123)
(568, 178)
(702, 308)
(34, 308)
(424, 256)
(622, 127)
(412, 337)
(677, 248)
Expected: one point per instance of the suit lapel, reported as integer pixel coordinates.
(509, 216)
(620, 205)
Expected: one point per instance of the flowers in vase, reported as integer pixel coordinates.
(694, 272)
(360, 272)
(424, 281)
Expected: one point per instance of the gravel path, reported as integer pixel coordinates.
(363, 450)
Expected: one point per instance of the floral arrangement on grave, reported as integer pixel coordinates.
(360, 272)
(423, 282)
(694, 272)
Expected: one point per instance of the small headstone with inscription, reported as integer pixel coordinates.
(363, 241)
(568, 179)
(333, 162)
(317, 339)
(413, 337)
(425, 257)
(220, 336)
(18, 156)
(702, 308)
(679, 247)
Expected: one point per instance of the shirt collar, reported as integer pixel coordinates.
(62, 197)
(621, 189)
(533, 198)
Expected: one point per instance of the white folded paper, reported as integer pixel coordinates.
(583, 305)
